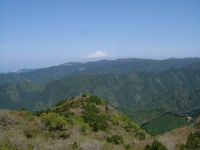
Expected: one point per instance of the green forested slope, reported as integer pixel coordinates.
(173, 90)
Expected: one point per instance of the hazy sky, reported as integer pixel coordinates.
(38, 33)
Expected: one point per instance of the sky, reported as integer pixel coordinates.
(42, 33)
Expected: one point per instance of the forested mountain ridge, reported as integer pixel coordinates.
(174, 90)
(104, 66)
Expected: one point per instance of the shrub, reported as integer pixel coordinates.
(62, 109)
(75, 146)
(31, 129)
(97, 122)
(54, 121)
(193, 140)
(91, 108)
(84, 95)
(117, 139)
(95, 99)
(61, 102)
(127, 146)
(156, 145)
(77, 120)
(68, 114)
(140, 135)
(83, 129)
(115, 119)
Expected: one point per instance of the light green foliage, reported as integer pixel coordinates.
(77, 120)
(156, 145)
(54, 121)
(115, 119)
(129, 124)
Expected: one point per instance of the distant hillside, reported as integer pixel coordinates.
(174, 90)
(104, 66)
(84, 122)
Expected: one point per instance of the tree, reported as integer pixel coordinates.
(156, 145)
(53, 121)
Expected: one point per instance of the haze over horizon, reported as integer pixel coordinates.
(35, 34)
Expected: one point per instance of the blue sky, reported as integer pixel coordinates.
(40, 33)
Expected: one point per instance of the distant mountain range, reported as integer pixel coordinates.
(119, 66)
(143, 89)
(175, 90)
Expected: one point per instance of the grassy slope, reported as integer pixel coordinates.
(173, 139)
(21, 130)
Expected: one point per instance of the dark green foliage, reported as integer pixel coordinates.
(138, 91)
(95, 99)
(91, 108)
(75, 146)
(140, 135)
(54, 121)
(61, 110)
(127, 146)
(152, 90)
(142, 116)
(96, 121)
(83, 129)
(165, 123)
(129, 125)
(68, 114)
(183, 147)
(193, 141)
(84, 95)
(116, 139)
(156, 145)
(61, 102)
